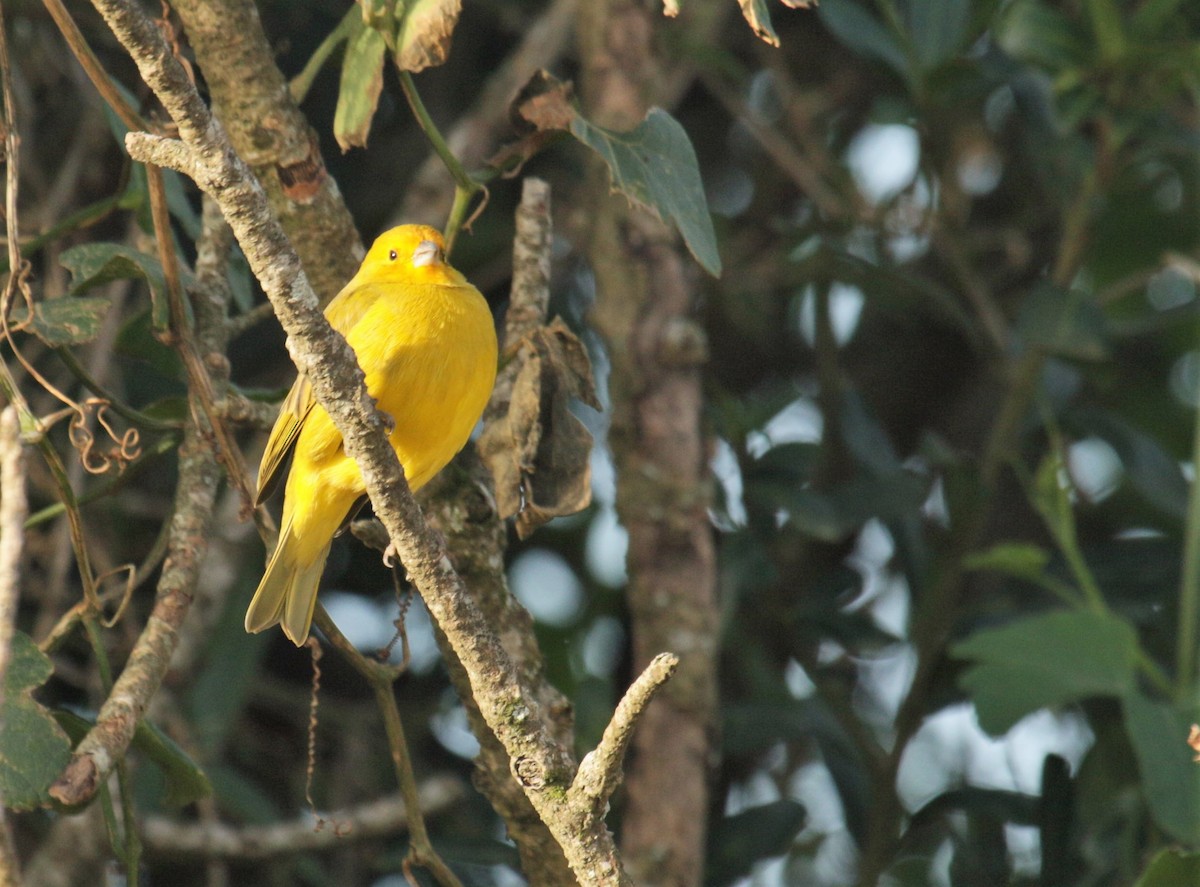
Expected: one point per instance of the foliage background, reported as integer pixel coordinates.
(950, 394)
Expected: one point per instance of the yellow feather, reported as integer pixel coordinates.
(425, 340)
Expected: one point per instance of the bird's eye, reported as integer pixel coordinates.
(392, 255)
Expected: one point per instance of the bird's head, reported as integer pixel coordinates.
(414, 252)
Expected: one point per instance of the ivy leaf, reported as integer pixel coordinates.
(653, 165)
(93, 264)
(358, 92)
(65, 321)
(33, 748)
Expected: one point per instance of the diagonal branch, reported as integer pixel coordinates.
(542, 766)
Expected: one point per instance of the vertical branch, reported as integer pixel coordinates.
(382, 679)
(647, 312)
(13, 509)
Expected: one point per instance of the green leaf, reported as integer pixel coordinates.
(174, 408)
(65, 321)
(863, 33)
(1046, 660)
(346, 28)
(889, 289)
(1022, 560)
(1035, 32)
(1107, 27)
(654, 166)
(1065, 323)
(33, 748)
(136, 339)
(1170, 777)
(186, 782)
(1170, 868)
(358, 92)
(93, 264)
(938, 29)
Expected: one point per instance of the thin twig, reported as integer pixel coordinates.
(13, 503)
(474, 136)
(14, 506)
(374, 819)
(465, 187)
(600, 770)
(382, 679)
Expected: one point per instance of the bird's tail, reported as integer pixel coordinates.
(287, 593)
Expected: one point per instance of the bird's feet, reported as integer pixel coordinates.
(391, 557)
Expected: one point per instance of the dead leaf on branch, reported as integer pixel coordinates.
(539, 452)
(758, 16)
(544, 102)
(423, 34)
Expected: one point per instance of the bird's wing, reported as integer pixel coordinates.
(292, 413)
(346, 309)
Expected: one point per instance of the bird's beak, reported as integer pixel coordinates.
(426, 253)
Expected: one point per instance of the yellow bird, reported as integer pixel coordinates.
(424, 337)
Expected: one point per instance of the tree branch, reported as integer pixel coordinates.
(600, 771)
(215, 840)
(543, 766)
(106, 743)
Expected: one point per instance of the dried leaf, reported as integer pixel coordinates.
(544, 103)
(423, 36)
(539, 453)
(759, 18)
(358, 92)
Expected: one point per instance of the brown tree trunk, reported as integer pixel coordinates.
(646, 310)
(251, 99)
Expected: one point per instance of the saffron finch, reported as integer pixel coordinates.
(425, 340)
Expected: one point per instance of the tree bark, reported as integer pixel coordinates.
(269, 132)
(646, 310)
